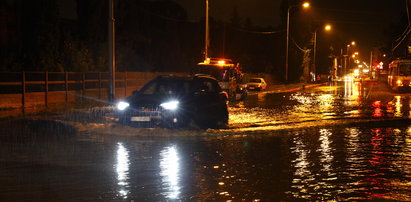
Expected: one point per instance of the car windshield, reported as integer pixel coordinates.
(166, 87)
(405, 69)
(255, 80)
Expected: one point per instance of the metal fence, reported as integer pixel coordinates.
(23, 89)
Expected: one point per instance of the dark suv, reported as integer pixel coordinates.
(176, 101)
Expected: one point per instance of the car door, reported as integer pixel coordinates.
(208, 100)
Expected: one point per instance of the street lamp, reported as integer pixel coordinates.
(111, 52)
(326, 28)
(207, 35)
(305, 5)
(347, 57)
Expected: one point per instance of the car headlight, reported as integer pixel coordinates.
(122, 105)
(171, 105)
(399, 82)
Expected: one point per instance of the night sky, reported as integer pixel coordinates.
(363, 21)
(262, 12)
(256, 37)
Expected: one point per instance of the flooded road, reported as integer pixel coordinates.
(340, 103)
(340, 142)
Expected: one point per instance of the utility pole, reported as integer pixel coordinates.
(371, 62)
(315, 55)
(111, 52)
(207, 40)
(287, 44)
(341, 61)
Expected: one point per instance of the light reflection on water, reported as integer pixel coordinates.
(170, 171)
(302, 174)
(353, 93)
(325, 105)
(400, 106)
(122, 170)
(309, 183)
(315, 164)
(377, 165)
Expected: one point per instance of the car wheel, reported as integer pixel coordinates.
(222, 120)
(223, 123)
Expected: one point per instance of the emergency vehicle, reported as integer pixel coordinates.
(227, 73)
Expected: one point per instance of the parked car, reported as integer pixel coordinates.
(176, 101)
(256, 84)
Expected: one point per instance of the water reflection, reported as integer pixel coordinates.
(315, 107)
(377, 111)
(375, 164)
(326, 155)
(170, 171)
(122, 169)
(399, 107)
(261, 97)
(348, 88)
(326, 104)
(373, 167)
(302, 174)
(314, 164)
(353, 92)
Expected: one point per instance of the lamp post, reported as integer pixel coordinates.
(111, 52)
(305, 5)
(347, 57)
(207, 36)
(326, 28)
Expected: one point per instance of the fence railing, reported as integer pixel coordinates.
(23, 89)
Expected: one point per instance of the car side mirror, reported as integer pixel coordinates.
(136, 92)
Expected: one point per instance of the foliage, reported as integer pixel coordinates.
(150, 36)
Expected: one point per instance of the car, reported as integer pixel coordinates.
(256, 84)
(175, 102)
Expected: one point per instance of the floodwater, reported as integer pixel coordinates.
(321, 163)
(330, 143)
(340, 103)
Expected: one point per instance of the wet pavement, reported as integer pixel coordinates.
(345, 141)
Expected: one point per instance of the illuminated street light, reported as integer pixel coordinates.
(305, 5)
(327, 27)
